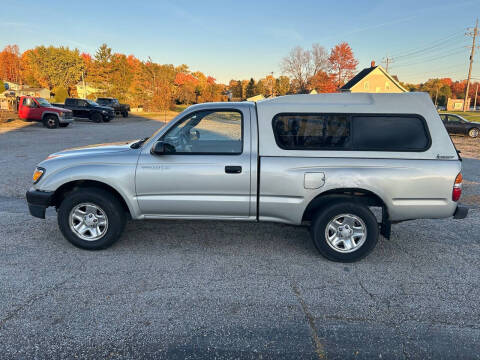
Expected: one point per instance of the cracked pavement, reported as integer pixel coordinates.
(191, 289)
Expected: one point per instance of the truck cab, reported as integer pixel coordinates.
(326, 161)
(32, 108)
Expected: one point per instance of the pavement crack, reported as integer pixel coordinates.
(30, 302)
(404, 350)
(319, 348)
(365, 289)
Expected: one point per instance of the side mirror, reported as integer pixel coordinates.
(158, 148)
(161, 148)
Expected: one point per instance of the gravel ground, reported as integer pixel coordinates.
(190, 289)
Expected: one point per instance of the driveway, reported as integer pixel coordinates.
(192, 289)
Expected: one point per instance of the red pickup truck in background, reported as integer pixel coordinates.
(38, 109)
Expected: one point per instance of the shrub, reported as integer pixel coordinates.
(2, 87)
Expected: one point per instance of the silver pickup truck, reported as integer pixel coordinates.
(321, 160)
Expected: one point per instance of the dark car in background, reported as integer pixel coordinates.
(88, 109)
(456, 124)
(120, 109)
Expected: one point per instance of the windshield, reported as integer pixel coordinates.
(93, 103)
(42, 102)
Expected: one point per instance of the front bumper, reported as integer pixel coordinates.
(68, 120)
(38, 201)
(460, 212)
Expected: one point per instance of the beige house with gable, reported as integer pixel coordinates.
(374, 79)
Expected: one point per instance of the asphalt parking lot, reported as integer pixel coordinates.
(191, 289)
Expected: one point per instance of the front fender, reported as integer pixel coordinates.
(45, 113)
(120, 177)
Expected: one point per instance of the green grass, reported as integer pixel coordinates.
(180, 108)
(469, 115)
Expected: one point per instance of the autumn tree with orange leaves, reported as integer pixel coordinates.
(323, 82)
(10, 64)
(342, 63)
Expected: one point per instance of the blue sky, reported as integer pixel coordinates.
(242, 39)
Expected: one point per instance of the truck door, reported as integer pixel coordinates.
(205, 169)
(30, 110)
(82, 109)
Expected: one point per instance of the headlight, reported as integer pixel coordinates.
(104, 111)
(37, 174)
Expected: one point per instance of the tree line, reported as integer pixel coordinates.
(440, 89)
(151, 85)
(160, 86)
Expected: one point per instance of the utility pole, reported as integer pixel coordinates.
(271, 85)
(475, 101)
(83, 84)
(436, 97)
(472, 53)
(387, 61)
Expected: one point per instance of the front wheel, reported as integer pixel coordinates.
(125, 114)
(97, 118)
(473, 133)
(345, 231)
(50, 122)
(91, 219)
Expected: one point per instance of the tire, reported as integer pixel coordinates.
(106, 119)
(97, 117)
(63, 125)
(50, 121)
(106, 210)
(473, 132)
(125, 114)
(357, 215)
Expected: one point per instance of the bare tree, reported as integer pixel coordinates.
(298, 64)
(302, 64)
(319, 58)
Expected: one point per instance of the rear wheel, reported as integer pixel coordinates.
(97, 117)
(64, 125)
(106, 119)
(345, 231)
(91, 219)
(473, 133)
(50, 121)
(125, 114)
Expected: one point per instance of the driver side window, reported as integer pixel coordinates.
(207, 132)
(28, 102)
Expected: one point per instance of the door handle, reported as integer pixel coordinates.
(229, 169)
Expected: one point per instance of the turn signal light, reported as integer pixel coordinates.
(37, 174)
(457, 187)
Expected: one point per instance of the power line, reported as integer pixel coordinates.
(435, 43)
(433, 52)
(434, 70)
(434, 58)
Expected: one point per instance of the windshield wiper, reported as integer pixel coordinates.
(139, 143)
